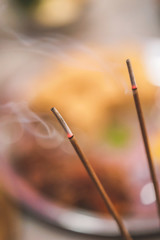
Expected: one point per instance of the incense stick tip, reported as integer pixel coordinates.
(53, 109)
(128, 61)
(62, 122)
(131, 75)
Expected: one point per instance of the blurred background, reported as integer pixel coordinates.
(71, 54)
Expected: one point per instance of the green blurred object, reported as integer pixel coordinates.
(27, 4)
(117, 134)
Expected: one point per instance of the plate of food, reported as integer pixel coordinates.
(41, 171)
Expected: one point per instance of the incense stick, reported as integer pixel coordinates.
(93, 176)
(144, 134)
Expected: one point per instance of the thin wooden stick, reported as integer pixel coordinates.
(93, 176)
(144, 134)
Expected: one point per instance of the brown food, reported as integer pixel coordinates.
(62, 178)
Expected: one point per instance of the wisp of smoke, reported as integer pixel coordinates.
(17, 118)
(56, 46)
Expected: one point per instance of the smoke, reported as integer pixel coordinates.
(17, 118)
(58, 47)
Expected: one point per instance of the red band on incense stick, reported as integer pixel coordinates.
(69, 135)
(134, 87)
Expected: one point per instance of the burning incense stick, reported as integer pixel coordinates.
(144, 134)
(93, 176)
